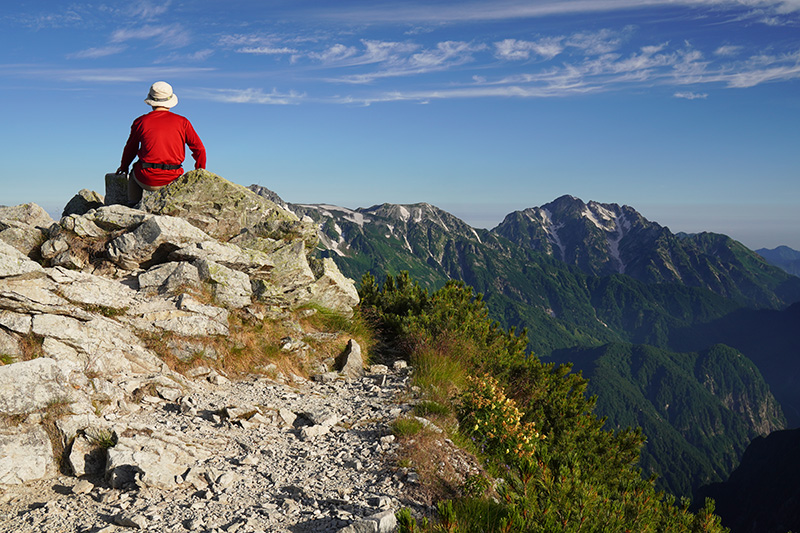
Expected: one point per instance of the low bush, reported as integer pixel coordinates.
(530, 424)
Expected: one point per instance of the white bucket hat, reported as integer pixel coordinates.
(161, 95)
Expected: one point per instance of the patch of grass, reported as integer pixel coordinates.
(31, 346)
(102, 438)
(431, 408)
(7, 359)
(320, 319)
(105, 310)
(55, 409)
(7, 420)
(439, 371)
(406, 427)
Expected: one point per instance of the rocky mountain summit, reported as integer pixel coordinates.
(98, 432)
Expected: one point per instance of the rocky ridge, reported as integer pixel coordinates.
(91, 305)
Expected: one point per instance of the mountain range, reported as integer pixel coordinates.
(782, 257)
(691, 337)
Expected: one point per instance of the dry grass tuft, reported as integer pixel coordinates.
(31, 346)
(442, 467)
(256, 346)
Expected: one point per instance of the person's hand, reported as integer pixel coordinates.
(122, 170)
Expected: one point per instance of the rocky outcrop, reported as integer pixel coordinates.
(90, 306)
(79, 297)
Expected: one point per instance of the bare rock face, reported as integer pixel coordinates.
(84, 300)
(350, 362)
(153, 241)
(223, 209)
(27, 455)
(30, 386)
(15, 263)
(150, 459)
(83, 202)
(24, 227)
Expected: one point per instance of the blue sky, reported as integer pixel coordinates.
(688, 111)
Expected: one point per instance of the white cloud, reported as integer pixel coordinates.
(106, 75)
(728, 50)
(149, 10)
(337, 52)
(94, 53)
(266, 50)
(479, 10)
(445, 53)
(688, 95)
(598, 43)
(249, 96)
(173, 36)
(513, 49)
(407, 59)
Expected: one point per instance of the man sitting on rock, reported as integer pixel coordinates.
(158, 138)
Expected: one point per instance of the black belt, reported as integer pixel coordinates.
(160, 165)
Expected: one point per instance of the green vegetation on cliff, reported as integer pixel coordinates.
(699, 410)
(529, 424)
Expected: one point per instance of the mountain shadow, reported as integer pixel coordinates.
(763, 494)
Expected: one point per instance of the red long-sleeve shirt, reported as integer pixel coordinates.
(159, 137)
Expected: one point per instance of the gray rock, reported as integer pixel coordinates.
(169, 277)
(183, 315)
(321, 416)
(106, 346)
(196, 195)
(82, 226)
(15, 263)
(350, 363)
(18, 322)
(156, 460)
(287, 416)
(291, 269)
(186, 350)
(333, 291)
(152, 241)
(9, 345)
(254, 263)
(27, 239)
(29, 214)
(82, 202)
(231, 287)
(82, 487)
(362, 526)
(54, 246)
(26, 454)
(135, 521)
(36, 295)
(117, 217)
(86, 457)
(29, 386)
(88, 289)
(386, 521)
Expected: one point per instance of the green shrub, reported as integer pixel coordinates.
(530, 423)
(406, 427)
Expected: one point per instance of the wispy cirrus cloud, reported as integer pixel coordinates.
(516, 49)
(267, 50)
(767, 11)
(102, 75)
(249, 96)
(728, 50)
(689, 95)
(651, 66)
(149, 10)
(171, 36)
(94, 53)
(396, 59)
